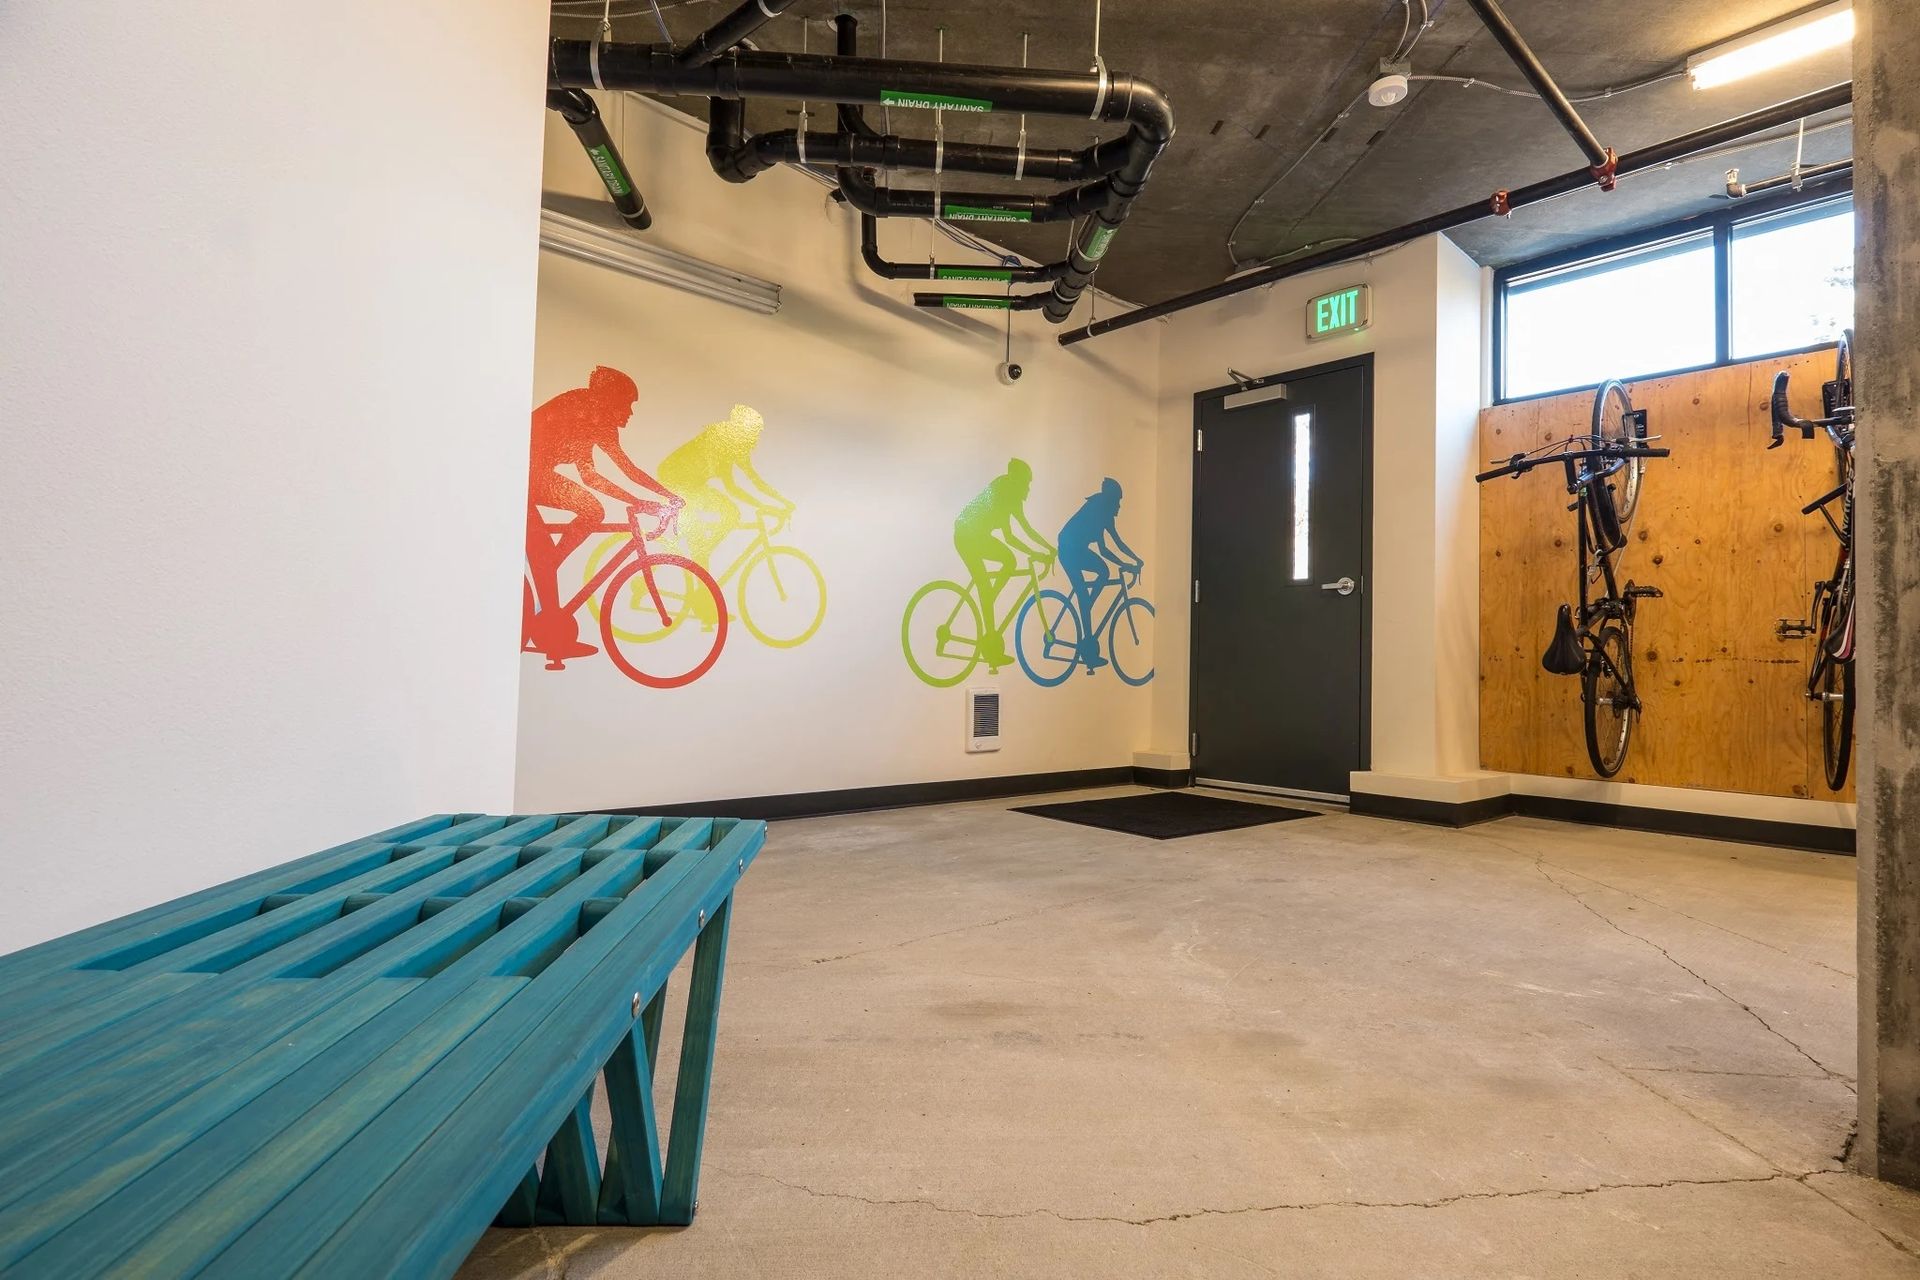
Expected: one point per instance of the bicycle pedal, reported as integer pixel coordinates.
(1643, 593)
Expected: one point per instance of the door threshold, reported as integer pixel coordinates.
(1291, 793)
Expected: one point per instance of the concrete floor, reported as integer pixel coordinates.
(962, 1041)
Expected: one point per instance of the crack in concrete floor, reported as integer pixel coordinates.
(1285, 1206)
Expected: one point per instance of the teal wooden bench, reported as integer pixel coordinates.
(350, 1065)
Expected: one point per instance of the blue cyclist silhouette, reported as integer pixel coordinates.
(1088, 543)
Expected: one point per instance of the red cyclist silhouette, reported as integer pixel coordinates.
(567, 429)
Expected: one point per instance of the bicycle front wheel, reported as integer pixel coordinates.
(1046, 638)
(1608, 695)
(640, 623)
(642, 600)
(1130, 642)
(1834, 688)
(940, 634)
(782, 597)
(1612, 424)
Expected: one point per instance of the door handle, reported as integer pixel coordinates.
(1345, 586)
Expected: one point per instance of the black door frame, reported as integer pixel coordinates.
(1364, 363)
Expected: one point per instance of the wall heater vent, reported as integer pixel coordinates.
(983, 719)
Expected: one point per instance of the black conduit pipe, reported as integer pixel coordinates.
(1653, 157)
(578, 110)
(748, 158)
(730, 31)
(870, 254)
(1812, 175)
(860, 191)
(948, 86)
(982, 301)
(1537, 75)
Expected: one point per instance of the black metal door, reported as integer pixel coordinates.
(1281, 560)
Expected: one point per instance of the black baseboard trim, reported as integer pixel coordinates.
(1437, 812)
(820, 804)
(1708, 826)
(1166, 779)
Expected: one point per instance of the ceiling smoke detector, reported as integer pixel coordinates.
(1388, 91)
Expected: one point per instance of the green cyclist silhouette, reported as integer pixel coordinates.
(707, 474)
(1089, 542)
(983, 534)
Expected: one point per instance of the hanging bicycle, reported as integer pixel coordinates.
(1596, 642)
(1829, 620)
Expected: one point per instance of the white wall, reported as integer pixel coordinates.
(883, 421)
(268, 276)
(1424, 338)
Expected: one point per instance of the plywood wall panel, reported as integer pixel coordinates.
(1720, 532)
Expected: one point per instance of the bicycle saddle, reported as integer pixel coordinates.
(1564, 657)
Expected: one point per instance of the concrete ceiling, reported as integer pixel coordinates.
(1255, 82)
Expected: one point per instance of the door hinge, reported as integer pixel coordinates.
(1193, 746)
(1199, 440)
(1196, 591)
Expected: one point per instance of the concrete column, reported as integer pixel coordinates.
(1887, 195)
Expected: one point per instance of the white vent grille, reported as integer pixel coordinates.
(983, 719)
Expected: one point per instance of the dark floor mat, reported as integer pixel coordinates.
(1167, 815)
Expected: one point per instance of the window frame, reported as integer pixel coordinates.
(1596, 252)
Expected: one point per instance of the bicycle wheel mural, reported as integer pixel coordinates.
(952, 627)
(650, 581)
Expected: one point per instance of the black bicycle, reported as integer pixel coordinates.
(1596, 643)
(1829, 619)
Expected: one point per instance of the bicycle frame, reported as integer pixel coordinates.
(635, 547)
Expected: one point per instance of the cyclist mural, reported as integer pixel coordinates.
(949, 629)
(663, 614)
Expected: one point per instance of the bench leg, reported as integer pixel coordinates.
(630, 1192)
(680, 1193)
(569, 1191)
(518, 1211)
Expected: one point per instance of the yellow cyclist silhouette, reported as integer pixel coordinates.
(983, 535)
(707, 472)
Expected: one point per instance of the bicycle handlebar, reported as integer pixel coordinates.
(1783, 416)
(1519, 464)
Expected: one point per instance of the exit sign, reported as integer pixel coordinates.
(1343, 311)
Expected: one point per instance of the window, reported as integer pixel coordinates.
(1791, 279)
(1645, 310)
(1302, 495)
(1756, 280)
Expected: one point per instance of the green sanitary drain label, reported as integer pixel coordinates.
(963, 301)
(978, 213)
(972, 273)
(610, 170)
(1097, 243)
(932, 101)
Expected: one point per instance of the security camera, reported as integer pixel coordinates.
(1010, 373)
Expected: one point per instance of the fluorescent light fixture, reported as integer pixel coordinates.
(1815, 31)
(628, 253)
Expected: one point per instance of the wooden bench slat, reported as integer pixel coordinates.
(504, 1073)
(430, 1240)
(328, 1082)
(96, 1110)
(240, 1076)
(79, 948)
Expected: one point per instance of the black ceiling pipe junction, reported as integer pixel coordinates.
(853, 122)
(738, 75)
(1600, 158)
(1503, 202)
(731, 30)
(583, 117)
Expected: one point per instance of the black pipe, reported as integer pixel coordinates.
(876, 82)
(859, 190)
(583, 117)
(1810, 175)
(870, 253)
(753, 156)
(1660, 153)
(730, 31)
(983, 301)
(846, 33)
(1537, 75)
(926, 85)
